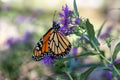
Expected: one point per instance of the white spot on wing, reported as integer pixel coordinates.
(37, 48)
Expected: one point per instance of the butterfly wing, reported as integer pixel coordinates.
(41, 49)
(53, 43)
(59, 44)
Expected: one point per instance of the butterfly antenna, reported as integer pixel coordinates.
(54, 16)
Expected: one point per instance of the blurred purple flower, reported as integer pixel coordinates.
(106, 34)
(65, 20)
(77, 21)
(117, 61)
(26, 37)
(74, 51)
(48, 60)
(20, 19)
(107, 75)
(5, 7)
(11, 41)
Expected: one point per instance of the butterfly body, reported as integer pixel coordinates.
(53, 43)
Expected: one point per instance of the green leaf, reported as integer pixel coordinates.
(87, 53)
(99, 31)
(116, 50)
(96, 41)
(82, 24)
(59, 67)
(76, 31)
(75, 8)
(85, 75)
(90, 30)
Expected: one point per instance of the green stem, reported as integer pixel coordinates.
(105, 58)
(111, 55)
(116, 70)
(99, 53)
(69, 75)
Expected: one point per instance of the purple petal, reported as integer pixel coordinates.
(20, 19)
(74, 51)
(65, 20)
(48, 60)
(104, 35)
(62, 22)
(117, 61)
(108, 75)
(26, 37)
(61, 14)
(66, 10)
(77, 21)
(107, 32)
(109, 28)
(10, 41)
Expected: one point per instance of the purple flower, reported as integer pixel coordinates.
(5, 7)
(116, 61)
(65, 20)
(49, 60)
(106, 34)
(11, 41)
(20, 19)
(74, 51)
(26, 37)
(77, 21)
(107, 75)
(66, 31)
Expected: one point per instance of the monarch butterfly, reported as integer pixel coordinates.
(53, 43)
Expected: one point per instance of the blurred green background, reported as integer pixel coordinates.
(23, 22)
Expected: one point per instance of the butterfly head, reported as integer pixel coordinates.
(56, 26)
